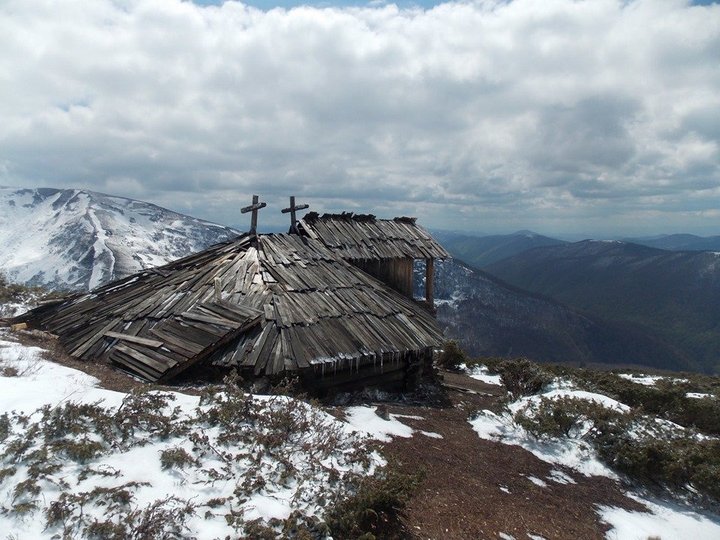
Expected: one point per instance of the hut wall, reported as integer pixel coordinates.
(396, 273)
(399, 373)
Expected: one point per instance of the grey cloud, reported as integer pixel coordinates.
(590, 135)
(488, 112)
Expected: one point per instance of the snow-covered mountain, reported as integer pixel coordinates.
(76, 239)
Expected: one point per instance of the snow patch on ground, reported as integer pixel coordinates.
(600, 399)
(573, 453)
(481, 373)
(560, 477)
(366, 420)
(537, 481)
(698, 395)
(663, 520)
(645, 380)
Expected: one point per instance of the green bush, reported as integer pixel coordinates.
(559, 417)
(674, 463)
(372, 512)
(702, 414)
(631, 443)
(452, 356)
(522, 377)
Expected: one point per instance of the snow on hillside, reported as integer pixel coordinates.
(663, 519)
(79, 461)
(74, 239)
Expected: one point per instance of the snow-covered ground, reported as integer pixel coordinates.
(367, 420)
(648, 380)
(481, 373)
(76, 458)
(662, 520)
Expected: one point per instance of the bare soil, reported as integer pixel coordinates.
(476, 489)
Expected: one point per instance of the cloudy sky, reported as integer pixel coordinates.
(571, 117)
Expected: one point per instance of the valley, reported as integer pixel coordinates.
(674, 295)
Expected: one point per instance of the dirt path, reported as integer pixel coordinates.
(477, 489)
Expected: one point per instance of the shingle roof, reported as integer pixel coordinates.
(286, 303)
(355, 236)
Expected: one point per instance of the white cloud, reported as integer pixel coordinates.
(484, 115)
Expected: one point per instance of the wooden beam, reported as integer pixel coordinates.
(429, 281)
(135, 339)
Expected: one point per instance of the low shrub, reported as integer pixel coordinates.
(452, 356)
(650, 452)
(4, 426)
(372, 511)
(674, 463)
(702, 414)
(176, 457)
(522, 377)
(563, 417)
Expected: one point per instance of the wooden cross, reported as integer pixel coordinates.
(293, 208)
(254, 207)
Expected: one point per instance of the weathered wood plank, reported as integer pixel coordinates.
(220, 321)
(135, 339)
(184, 347)
(144, 359)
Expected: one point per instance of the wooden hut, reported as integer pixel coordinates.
(266, 305)
(384, 248)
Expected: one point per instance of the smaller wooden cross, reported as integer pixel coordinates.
(293, 208)
(254, 207)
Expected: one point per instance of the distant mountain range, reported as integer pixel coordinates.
(480, 251)
(674, 295)
(680, 242)
(491, 318)
(74, 239)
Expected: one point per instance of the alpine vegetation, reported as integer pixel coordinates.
(77, 461)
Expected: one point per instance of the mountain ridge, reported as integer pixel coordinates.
(680, 242)
(480, 251)
(78, 239)
(676, 294)
(490, 317)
